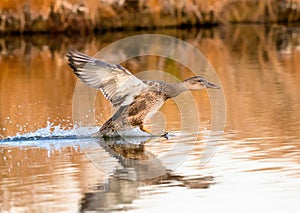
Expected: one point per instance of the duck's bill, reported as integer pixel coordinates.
(212, 86)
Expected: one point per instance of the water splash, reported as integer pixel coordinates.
(54, 132)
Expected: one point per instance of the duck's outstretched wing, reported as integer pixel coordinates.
(117, 83)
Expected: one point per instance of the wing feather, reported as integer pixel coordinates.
(116, 83)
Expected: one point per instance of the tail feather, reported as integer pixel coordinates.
(107, 127)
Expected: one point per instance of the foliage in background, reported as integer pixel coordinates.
(18, 16)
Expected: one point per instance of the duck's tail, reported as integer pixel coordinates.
(107, 127)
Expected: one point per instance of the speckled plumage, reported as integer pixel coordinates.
(136, 100)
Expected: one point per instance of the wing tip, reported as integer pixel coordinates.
(74, 62)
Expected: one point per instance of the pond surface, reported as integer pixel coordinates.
(256, 166)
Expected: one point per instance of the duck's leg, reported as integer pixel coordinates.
(164, 134)
(145, 129)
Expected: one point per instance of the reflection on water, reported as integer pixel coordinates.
(51, 170)
(135, 168)
(258, 157)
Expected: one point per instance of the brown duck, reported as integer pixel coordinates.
(136, 100)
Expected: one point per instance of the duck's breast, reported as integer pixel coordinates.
(145, 106)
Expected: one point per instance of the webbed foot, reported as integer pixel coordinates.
(165, 135)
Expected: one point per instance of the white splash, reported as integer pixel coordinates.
(51, 131)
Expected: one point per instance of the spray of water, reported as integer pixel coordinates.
(52, 131)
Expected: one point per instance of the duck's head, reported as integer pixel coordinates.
(198, 83)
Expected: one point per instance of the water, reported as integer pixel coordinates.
(50, 165)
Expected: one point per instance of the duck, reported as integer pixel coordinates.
(135, 100)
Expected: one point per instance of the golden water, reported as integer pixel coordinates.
(256, 167)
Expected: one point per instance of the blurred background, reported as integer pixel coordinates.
(29, 16)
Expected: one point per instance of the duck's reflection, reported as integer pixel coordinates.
(134, 167)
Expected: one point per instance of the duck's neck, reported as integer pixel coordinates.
(173, 90)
